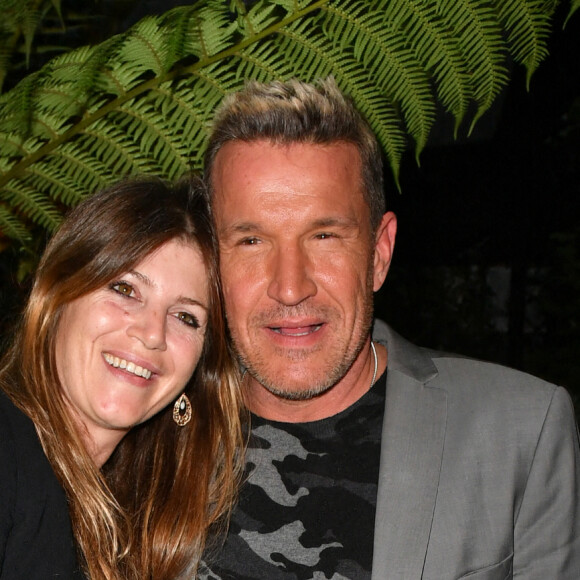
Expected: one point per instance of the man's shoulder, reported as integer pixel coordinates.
(461, 375)
(461, 364)
(472, 377)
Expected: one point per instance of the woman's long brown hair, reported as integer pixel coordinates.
(147, 513)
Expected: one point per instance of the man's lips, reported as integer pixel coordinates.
(296, 331)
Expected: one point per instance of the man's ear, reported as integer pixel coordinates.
(384, 246)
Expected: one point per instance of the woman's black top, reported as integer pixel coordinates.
(36, 541)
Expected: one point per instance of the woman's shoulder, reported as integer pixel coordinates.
(10, 425)
(22, 458)
(23, 462)
(35, 533)
(20, 447)
(16, 428)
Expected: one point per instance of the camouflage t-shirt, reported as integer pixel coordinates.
(307, 510)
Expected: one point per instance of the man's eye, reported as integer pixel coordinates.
(249, 241)
(325, 236)
(123, 288)
(188, 319)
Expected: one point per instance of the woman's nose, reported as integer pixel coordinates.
(149, 326)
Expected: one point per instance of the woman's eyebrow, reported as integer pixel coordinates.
(180, 299)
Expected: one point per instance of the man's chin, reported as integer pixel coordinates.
(302, 387)
(296, 392)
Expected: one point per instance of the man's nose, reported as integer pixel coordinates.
(148, 325)
(291, 276)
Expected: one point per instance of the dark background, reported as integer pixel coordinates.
(487, 260)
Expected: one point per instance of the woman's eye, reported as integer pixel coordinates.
(123, 288)
(188, 319)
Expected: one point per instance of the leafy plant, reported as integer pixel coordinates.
(19, 24)
(142, 101)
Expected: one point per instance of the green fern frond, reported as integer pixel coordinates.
(51, 90)
(391, 65)
(56, 183)
(436, 49)
(30, 21)
(20, 19)
(263, 64)
(56, 4)
(379, 112)
(195, 31)
(109, 148)
(33, 204)
(301, 49)
(144, 50)
(79, 161)
(476, 27)
(11, 226)
(258, 18)
(527, 23)
(143, 101)
(21, 23)
(574, 5)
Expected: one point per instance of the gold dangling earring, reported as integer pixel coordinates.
(182, 410)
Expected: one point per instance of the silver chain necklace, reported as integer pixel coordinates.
(376, 364)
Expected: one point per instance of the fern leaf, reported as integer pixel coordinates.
(475, 26)
(56, 183)
(436, 49)
(574, 5)
(527, 23)
(263, 63)
(201, 31)
(78, 160)
(23, 198)
(391, 65)
(142, 101)
(11, 226)
(29, 23)
(260, 16)
(57, 6)
(380, 113)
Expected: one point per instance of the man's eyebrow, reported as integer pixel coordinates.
(241, 228)
(327, 222)
(341, 222)
(180, 299)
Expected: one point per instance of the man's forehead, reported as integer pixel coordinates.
(240, 163)
(237, 148)
(261, 173)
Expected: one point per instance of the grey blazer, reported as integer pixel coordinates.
(480, 472)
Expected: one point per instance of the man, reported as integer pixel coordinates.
(367, 459)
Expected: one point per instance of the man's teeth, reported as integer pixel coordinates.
(130, 367)
(302, 331)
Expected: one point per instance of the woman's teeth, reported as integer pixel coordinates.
(130, 367)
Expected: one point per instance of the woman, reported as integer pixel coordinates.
(104, 409)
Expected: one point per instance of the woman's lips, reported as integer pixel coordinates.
(129, 366)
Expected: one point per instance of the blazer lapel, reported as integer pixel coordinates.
(411, 455)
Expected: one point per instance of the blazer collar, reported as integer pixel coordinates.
(404, 356)
(411, 455)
